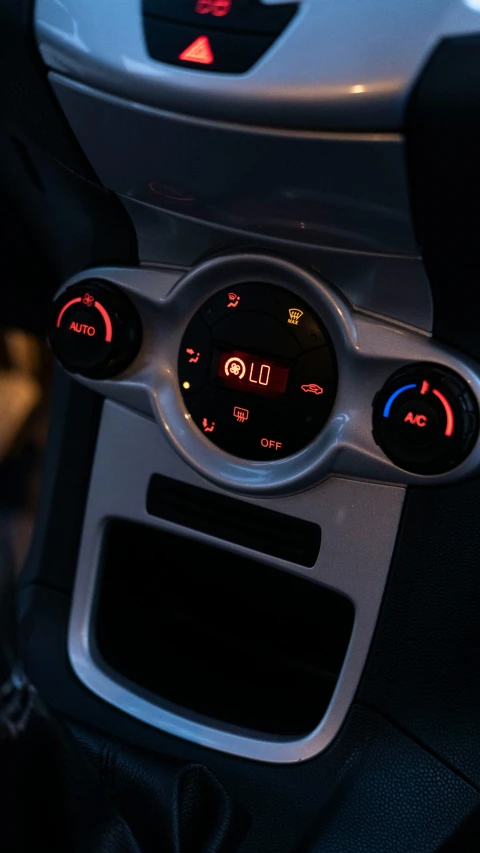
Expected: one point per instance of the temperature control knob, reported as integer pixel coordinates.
(425, 419)
(94, 330)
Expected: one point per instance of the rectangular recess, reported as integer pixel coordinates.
(239, 522)
(218, 634)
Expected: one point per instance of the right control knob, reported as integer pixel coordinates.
(425, 418)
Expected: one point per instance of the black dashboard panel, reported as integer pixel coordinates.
(46, 176)
(423, 664)
(443, 138)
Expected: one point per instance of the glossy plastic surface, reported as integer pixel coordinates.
(341, 65)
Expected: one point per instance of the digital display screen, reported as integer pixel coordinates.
(253, 373)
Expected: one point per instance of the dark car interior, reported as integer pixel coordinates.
(239, 449)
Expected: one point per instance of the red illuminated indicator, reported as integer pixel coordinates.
(107, 321)
(262, 373)
(198, 51)
(253, 373)
(82, 329)
(234, 300)
(241, 414)
(79, 327)
(62, 312)
(312, 388)
(235, 367)
(271, 443)
(425, 387)
(448, 411)
(193, 355)
(207, 426)
(416, 420)
(219, 8)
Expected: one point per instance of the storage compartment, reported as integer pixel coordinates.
(218, 634)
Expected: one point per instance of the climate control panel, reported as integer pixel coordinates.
(267, 380)
(258, 371)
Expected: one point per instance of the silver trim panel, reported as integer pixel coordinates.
(347, 64)
(369, 349)
(395, 286)
(359, 523)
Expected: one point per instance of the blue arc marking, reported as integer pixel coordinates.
(394, 396)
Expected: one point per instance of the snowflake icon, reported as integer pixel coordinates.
(88, 300)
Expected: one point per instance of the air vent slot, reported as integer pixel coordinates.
(236, 521)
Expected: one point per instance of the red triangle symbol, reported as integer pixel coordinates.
(198, 51)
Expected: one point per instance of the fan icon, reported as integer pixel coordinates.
(88, 300)
(235, 367)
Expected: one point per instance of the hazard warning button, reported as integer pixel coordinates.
(199, 51)
(204, 50)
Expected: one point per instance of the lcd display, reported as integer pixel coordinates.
(253, 373)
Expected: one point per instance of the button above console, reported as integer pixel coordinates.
(203, 49)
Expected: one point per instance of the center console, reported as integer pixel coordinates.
(246, 491)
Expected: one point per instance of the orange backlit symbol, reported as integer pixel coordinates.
(295, 315)
(198, 51)
(219, 8)
(234, 300)
(240, 414)
(263, 374)
(425, 387)
(312, 388)
(88, 299)
(194, 356)
(235, 367)
(271, 443)
(82, 329)
(416, 420)
(208, 427)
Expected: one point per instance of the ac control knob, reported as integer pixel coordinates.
(94, 330)
(425, 418)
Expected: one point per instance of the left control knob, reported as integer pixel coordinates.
(94, 330)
